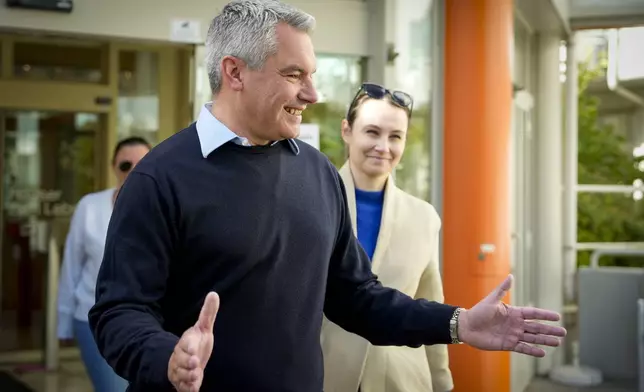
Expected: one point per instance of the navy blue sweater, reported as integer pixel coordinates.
(268, 230)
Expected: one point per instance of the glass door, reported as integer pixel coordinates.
(49, 162)
(64, 104)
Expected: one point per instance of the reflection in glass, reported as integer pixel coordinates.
(138, 101)
(64, 63)
(412, 74)
(337, 79)
(48, 164)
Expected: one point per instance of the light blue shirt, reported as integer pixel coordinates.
(82, 259)
(213, 134)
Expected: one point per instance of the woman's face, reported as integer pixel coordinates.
(126, 158)
(377, 139)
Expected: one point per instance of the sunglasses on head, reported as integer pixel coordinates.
(125, 166)
(377, 91)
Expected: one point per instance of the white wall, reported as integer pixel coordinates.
(342, 24)
(603, 13)
(562, 7)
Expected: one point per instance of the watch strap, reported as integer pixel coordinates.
(453, 326)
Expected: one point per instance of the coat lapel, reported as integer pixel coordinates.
(386, 221)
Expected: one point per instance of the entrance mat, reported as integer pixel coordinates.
(9, 383)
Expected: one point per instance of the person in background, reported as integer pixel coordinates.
(400, 233)
(81, 261)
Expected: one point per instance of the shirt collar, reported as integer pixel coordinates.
(213, 134)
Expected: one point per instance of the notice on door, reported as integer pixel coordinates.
(186, 31)
(310, 133)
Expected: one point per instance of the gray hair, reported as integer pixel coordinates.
(246, 29)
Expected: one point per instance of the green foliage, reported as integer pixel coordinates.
(417, 157)
(329, 117)
(604, 158)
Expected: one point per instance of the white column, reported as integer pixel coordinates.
(549, 233)
(376, 41)
(570, 170)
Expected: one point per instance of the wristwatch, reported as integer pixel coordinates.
(453, 326)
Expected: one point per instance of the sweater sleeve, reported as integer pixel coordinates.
(357, 301)
(127, 319)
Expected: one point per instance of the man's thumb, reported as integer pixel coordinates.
(208, 312)
(502, 289)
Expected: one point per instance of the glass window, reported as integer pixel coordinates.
(203, 93)
(59, 62)
(336, 80)
(49, 163)
(138, 101)
(413, 74)
(610, 156)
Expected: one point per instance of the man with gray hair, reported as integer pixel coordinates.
(233, 207)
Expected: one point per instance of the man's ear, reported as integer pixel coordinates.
(231, 72)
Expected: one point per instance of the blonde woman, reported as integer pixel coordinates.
(400, 234)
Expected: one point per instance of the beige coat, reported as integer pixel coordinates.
(406, 258)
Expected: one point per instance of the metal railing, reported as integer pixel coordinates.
(598, 253)
(640, 342)
(51, 336)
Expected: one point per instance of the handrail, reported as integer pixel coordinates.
(581, 246)
(51, 336)
(597, 254)
(640, 342)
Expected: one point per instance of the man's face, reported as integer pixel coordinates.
(275, 96)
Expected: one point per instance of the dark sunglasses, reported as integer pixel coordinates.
(125, 166)
(377, 91)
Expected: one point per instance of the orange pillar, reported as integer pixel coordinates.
(478, 109)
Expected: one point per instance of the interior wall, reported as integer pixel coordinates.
(341, 24)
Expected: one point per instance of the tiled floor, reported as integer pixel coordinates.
(545, 385)
(72, 378)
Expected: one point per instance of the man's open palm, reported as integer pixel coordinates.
(191, 354)
(493, 325)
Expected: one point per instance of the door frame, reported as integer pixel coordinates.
(175, 112)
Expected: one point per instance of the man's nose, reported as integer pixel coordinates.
(309, 94)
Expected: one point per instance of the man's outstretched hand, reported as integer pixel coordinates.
(494, 326)
(191, 354)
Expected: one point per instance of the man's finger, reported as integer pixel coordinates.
(524, 348)
(188, 387)
(208, 313)
(189, 342)
(539, 314)
(501, 290)
(186, 375)
(545, 329)
(183, 360)
(542, 340)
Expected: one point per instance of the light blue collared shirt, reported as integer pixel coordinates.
(213, 134)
